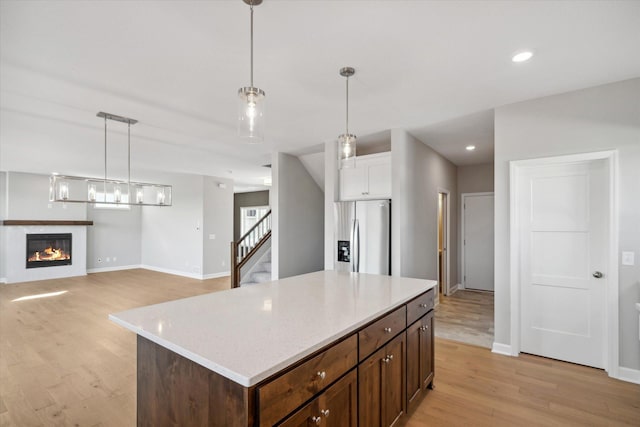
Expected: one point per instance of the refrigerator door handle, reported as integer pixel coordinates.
(355, 250)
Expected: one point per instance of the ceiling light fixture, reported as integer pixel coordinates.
(347, 141)
(251, 100)
(522, 56)
(470, 147)
(78, 189)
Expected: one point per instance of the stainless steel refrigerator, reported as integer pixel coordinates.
(363, 236)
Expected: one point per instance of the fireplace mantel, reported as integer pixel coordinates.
(44, 222)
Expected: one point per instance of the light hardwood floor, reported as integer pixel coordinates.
(466, 316)
(62, 362)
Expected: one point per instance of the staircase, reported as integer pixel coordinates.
(247, 247)
(260, 272)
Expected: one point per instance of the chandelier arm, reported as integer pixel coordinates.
(128, 153)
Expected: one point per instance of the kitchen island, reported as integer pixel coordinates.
(286, 351)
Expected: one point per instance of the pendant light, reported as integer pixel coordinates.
(347, 141)
(80, 189)
(251, 100)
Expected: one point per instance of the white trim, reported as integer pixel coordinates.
(447, 280)
(628, 374)
(504, 349)
(116, 268)
(174, 272)
(611, 339)
(454, 289)
(463, 196)
(197, 276)
(216, 275)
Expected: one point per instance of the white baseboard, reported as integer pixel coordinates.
(216, 275)
(499, 348)
(461, 286)
(174, 272)
(629, 375)
(106, 269)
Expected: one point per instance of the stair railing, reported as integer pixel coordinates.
(248, 245)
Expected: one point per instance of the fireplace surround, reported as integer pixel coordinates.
(48, 250)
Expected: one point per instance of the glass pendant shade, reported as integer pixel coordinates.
(347, 150)
(76, 189)
(251, 103)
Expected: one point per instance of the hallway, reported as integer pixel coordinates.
(466, 316)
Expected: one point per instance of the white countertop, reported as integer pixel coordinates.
(247, 334)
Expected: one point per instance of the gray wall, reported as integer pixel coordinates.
(298, 219)
(28, 198)
(600, 118)
(218, 223)
(475, 178)
(418, 173)
(471, 179)
(172, 236)
(243, 200)
(116, 233)
(3, 213)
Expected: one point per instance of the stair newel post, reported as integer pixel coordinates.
(234, 263)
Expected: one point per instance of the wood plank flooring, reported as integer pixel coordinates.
(62, 362)
(466, 316)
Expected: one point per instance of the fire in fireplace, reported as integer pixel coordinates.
(48, 250)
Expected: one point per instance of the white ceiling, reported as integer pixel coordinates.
(434, 68)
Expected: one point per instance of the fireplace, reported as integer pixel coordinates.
(48, 250)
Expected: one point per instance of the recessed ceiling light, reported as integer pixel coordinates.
(522, 56)
(470, 147)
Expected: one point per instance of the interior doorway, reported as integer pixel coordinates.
(443, 242)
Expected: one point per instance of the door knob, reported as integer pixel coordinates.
(597, 275)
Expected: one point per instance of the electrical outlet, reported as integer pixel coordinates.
(212, 236)
(628, 258)
(49, 205)
(114, 259)
(223, 263)
(108, 259)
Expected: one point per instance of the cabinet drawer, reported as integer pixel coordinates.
(279, 397)
(335, 407)
(380, 332)
(420, 306)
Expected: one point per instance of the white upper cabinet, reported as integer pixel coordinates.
(369, 179)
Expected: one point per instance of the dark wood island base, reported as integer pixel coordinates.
(373, 375)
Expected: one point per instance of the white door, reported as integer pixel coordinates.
(477, 241)
(563, 224)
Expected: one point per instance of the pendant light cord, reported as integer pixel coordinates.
(105, 153)
(347, 122)
(251, 7)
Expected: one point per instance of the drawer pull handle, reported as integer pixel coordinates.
(423, 305)
(316, 420)
(321, 374)
(390, 357)
(324, 412)
(386, 359)
(424, 328)
(387, 330)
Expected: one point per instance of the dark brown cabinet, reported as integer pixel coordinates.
(381, 385)
(420, 357)
(336, 407)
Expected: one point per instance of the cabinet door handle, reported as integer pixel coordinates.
(390, 357)
(386, 359)
(324, 412)
(387, 330)
(321, 374)
(424, 328)
(316, 420)
(423, 305)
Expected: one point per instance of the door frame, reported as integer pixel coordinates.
(446, 291)
(610, 331)
(463, 197)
